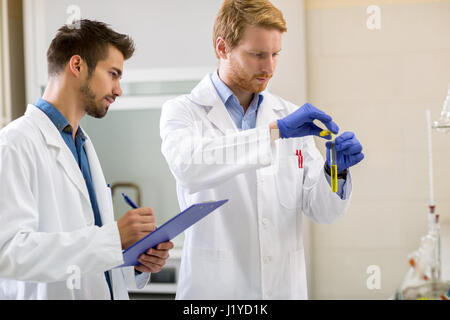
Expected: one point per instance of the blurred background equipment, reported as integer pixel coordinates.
(443, 124)
(424, 278)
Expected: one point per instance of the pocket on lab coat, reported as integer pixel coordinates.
(288, 181)
(297, 269)
(212, 269)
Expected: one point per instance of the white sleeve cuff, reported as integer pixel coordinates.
(133, 280)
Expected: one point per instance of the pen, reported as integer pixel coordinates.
(129, 201)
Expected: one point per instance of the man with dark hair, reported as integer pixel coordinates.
(59, 239)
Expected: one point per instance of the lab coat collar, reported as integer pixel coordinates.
(206, 95)
(64, 156)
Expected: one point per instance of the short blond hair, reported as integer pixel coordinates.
(236, 15)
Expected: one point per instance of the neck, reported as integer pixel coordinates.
(244, 96)
(64, 98)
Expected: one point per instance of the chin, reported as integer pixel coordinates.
(97, 113)
(259, 89)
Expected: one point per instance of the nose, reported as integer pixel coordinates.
(117, 91)
(269, 65)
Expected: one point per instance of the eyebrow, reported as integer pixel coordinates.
(258, 51)
(119, 72)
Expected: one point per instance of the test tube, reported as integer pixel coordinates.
(333, 161)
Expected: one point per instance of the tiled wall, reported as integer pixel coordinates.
(378, 84)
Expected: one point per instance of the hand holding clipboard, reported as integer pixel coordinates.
(168, 230)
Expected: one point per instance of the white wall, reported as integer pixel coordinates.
(173, 33)
(378, 83)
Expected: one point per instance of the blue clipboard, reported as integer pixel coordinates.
(169, 230)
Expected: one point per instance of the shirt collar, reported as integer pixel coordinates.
(57, 118)
(224, 92)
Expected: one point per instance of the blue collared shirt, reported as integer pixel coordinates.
(77, 148)
(243, 121)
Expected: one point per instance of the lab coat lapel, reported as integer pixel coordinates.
(64, 156)
(269, 110)
(206, 95)
(102, 192)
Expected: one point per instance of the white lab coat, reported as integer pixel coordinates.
(50, 247)
(252, 247)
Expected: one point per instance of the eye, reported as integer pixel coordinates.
(113, 74)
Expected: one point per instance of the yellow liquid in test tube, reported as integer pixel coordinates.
(333, 161)
(334, 184)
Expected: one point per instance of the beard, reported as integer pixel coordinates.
(92, 107)
(246, 81)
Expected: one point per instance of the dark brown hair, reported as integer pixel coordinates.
(88, 39)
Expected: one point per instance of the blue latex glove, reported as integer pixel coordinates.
(300, 123)
(348, 151)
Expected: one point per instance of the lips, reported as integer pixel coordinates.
(110, 100)
(263, 77)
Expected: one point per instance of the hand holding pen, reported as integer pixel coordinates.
(135, 224)
(154, 258)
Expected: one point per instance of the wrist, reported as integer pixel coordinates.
(274, 131)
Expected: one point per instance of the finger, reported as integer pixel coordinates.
(144, 211)
(146, 219)
(153, 268)
(142, 268)
(352, 149)
(315, 113)
(345, 146)
(163, 254)
(332, 126)
(315, 130)
(319, 115)
(345, 136)
(149, 269)
(145, 228)
(356, 158)
(146, 259)
(165, 245)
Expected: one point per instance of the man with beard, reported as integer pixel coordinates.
(232, 139)
(58, 236)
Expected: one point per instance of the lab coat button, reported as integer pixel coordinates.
(267, 259)
(265, 221)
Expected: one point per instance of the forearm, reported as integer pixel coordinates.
(203, 162)
(47, 257)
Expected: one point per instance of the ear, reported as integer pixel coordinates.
(221, 48)
(76, 65)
